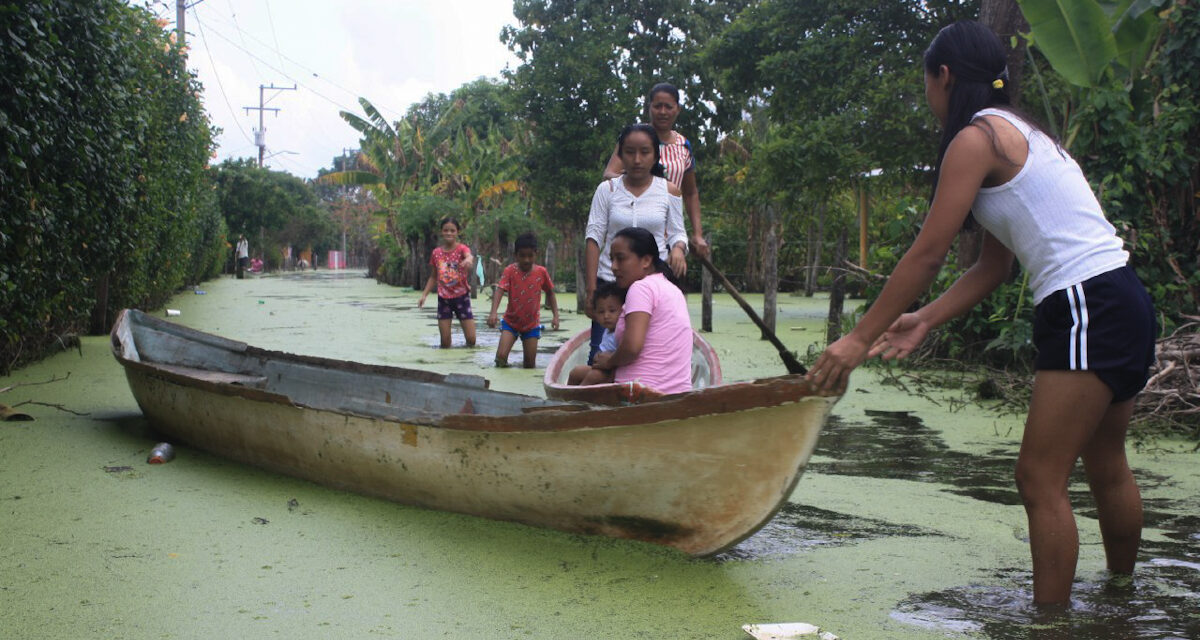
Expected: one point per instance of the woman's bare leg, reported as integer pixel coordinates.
(1118, 501)
(1064, 415)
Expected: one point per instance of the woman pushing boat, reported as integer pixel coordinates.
(654, 332)
(1094, 325)
(679, 164)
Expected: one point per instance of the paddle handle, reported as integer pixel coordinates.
(789, 360)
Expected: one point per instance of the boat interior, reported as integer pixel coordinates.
(334, 385)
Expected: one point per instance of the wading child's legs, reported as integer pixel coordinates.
(1118, 501)
(529, 347)
(504, 347)
(468, 328)
(1064, 415)
(444, 331)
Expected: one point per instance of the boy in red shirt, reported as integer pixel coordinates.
(523, 281)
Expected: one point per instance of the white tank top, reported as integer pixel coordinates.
(1048, 217)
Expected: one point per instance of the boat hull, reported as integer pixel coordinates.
(699, 480)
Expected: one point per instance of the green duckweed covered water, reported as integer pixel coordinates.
(906, 524)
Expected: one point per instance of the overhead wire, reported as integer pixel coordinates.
(271, 22)
(276, 50)
(286, 75)
(220, 86)
(233, 14)
(281, 72)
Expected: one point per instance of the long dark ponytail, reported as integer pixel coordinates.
(976, 57)
(642, 243)
(658, 169)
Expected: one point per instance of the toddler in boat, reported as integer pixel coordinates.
(607, 301)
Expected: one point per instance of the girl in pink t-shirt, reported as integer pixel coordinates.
(450, 265)
(654, 334)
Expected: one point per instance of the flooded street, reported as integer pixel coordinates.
(906, 523)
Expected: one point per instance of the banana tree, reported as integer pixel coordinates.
(1094, 44)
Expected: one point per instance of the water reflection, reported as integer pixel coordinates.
(798, 527)
(897, 445)
(1161, 601)
(1151, 605)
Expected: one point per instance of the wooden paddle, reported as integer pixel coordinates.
(789, 360)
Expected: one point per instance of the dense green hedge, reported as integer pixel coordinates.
(103, 147)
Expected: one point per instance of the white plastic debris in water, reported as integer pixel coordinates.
(172, 312)
(787, 631)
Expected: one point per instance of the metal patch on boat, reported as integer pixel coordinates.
(408, 435)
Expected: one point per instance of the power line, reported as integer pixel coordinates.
(281, 72)
(271, 21)
(302, 67)
(224, 95)
(233, 14)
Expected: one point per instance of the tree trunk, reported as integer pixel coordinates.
(412, 266)
(99, 320)
(814, 248)
(751, 279)
(1005, 18)
(837, 292)
(550, 260)
(770, 273)
(970, 242)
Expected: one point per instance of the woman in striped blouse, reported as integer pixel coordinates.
(662, 107)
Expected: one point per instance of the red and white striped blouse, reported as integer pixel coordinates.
(676, 157)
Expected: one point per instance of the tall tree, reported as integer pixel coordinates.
(584, 68)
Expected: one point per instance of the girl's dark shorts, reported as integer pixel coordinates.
(449, 308)
(1105, 325)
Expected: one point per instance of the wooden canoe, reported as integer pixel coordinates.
(698, 471)
(706, 372)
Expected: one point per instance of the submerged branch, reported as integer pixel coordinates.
(54, 378)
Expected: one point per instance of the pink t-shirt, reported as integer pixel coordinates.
(449, 270)
(665, 363)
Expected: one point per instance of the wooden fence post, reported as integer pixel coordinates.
(706, 293)
(837, 292)
(580, 283)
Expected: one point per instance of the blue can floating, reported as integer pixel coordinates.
(161, 453)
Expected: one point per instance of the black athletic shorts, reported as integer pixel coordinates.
(1105, 325)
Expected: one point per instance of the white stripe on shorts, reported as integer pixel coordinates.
(1078, 348)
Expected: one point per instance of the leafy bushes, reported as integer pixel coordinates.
(103, 148)
(274, 209)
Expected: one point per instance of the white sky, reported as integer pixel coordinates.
(393, 52)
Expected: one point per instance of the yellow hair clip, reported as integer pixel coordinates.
(997, 83)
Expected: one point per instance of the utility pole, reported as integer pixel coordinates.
(181, 7)
(180, 12)
(260, 134)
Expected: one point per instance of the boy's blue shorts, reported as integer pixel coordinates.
(532, 334)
